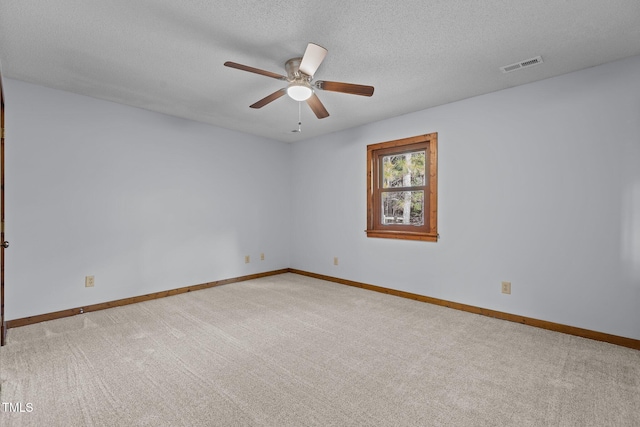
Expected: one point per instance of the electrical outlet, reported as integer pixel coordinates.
(335, 260)
(262, 256)
(506, 287)
(247, 259)
(89, 281)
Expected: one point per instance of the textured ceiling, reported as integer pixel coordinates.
(167, 55)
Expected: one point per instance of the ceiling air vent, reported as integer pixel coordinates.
(522, 64)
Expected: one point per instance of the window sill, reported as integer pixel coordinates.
(402, 235)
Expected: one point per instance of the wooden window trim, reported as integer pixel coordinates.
(427, 233)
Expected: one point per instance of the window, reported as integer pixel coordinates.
(402, 188)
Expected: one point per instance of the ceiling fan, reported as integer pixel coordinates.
(301, 86)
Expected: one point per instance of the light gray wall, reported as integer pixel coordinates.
(538, 185)
(143, 201)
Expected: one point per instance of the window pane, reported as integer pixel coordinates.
(403, 170)
(403, 207)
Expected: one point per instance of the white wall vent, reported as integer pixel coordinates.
(522, 64)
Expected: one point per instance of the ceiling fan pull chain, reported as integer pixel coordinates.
(299, 119)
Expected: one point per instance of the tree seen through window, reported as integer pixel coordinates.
(404, 171)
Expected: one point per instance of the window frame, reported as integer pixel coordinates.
(429, 230)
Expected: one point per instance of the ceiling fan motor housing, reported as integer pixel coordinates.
(293, 70)
(299, 88)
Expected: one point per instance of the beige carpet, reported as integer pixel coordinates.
(290, 350)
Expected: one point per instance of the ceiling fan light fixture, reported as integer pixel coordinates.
(299, 91)
(299, 77)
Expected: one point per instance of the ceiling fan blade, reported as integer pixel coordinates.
(312, 58)
(254, 70)
(345, 88)
(270, 98)
(317, 107)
